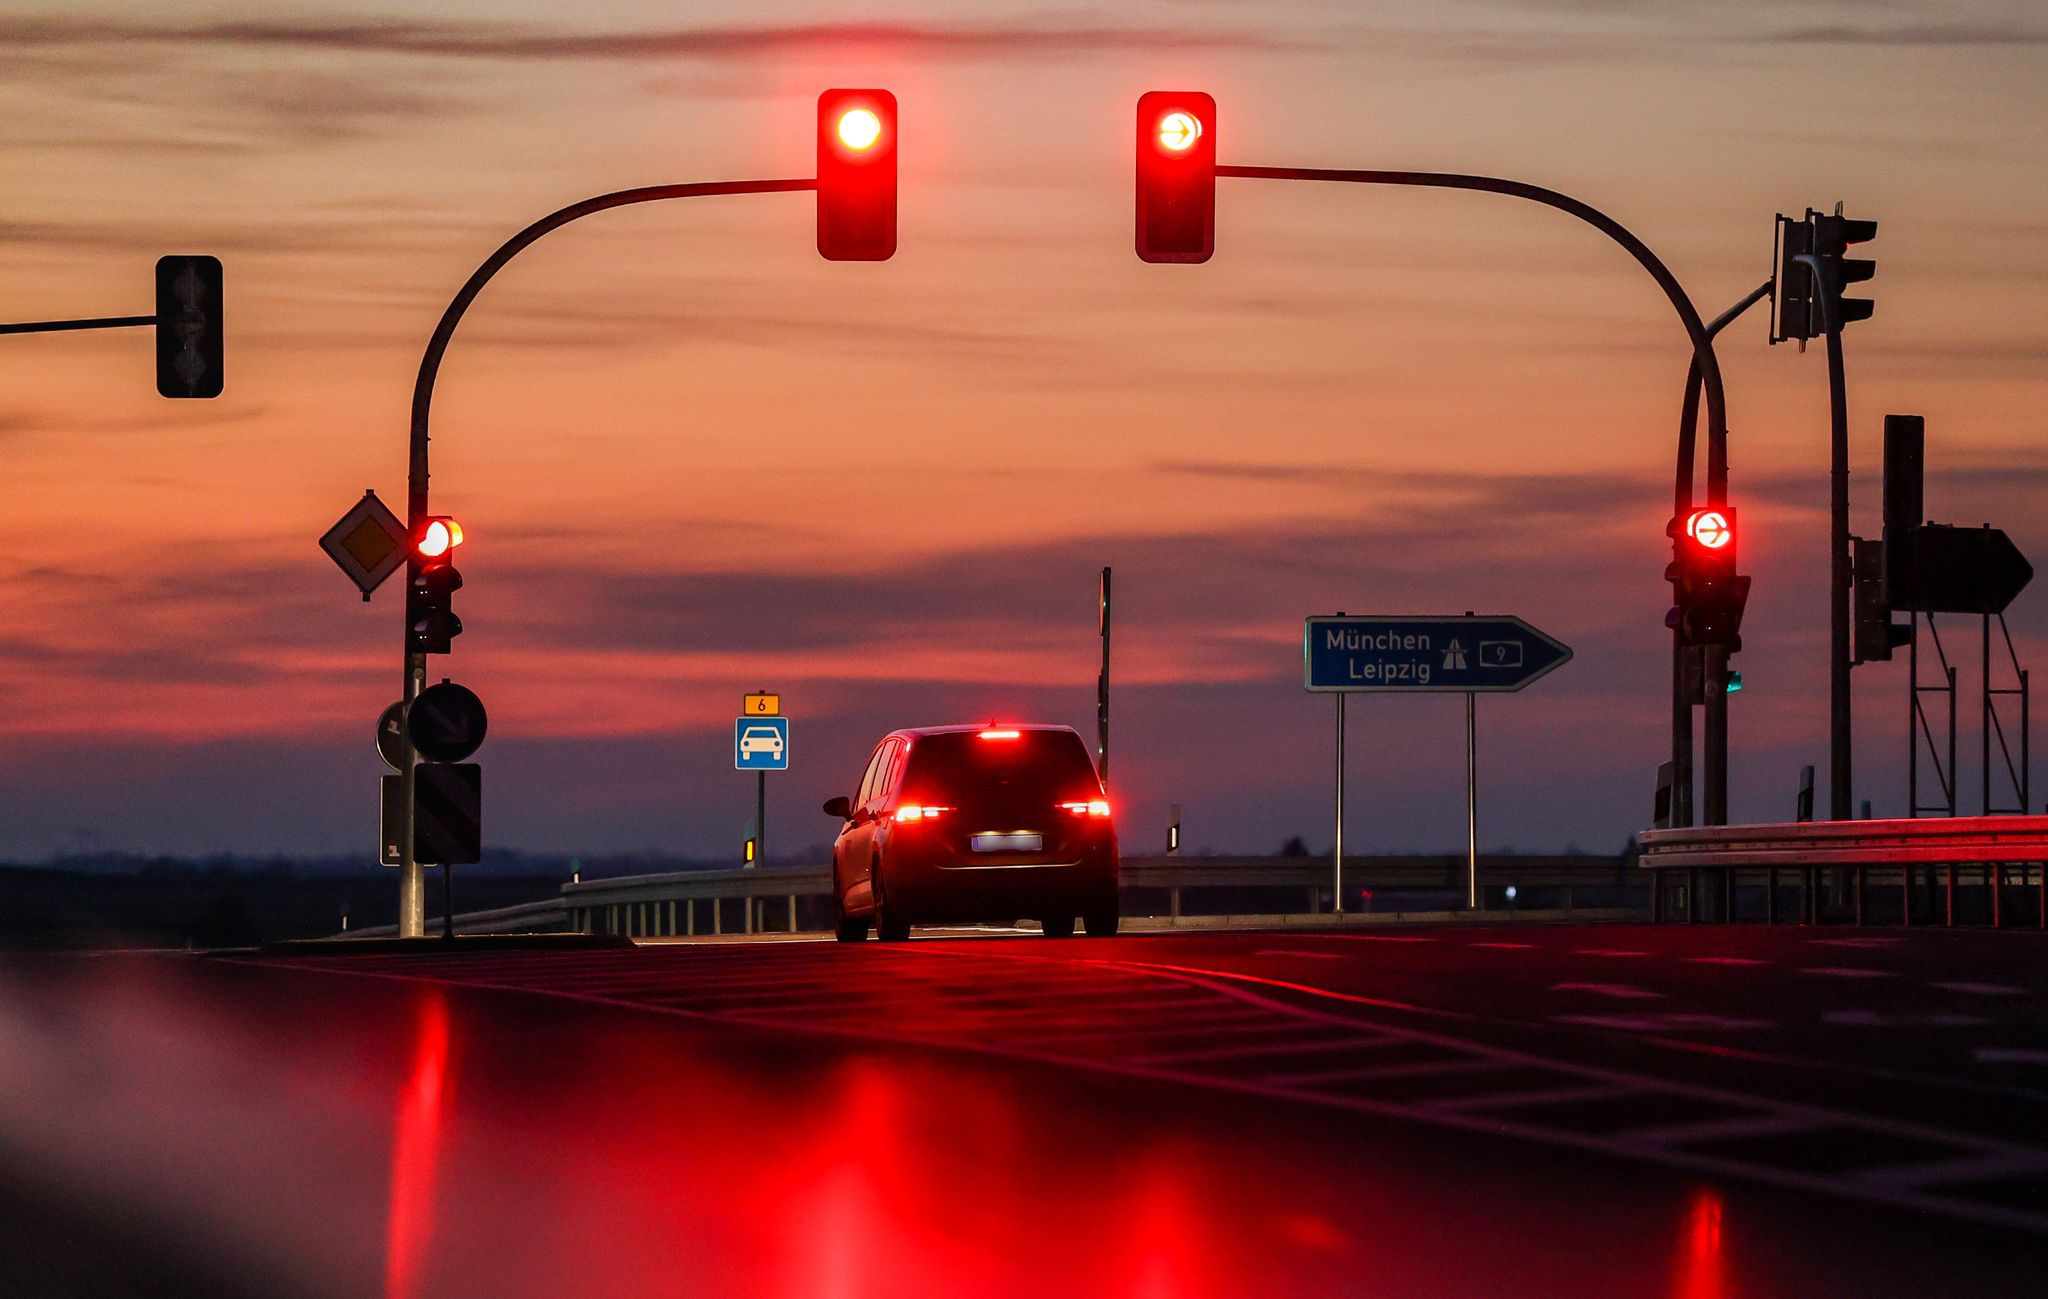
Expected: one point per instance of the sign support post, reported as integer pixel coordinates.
(1471, 802)
(760, 818)
(1338, 893)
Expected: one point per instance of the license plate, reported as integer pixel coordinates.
(1008, 841)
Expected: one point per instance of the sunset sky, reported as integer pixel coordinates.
(694, 459)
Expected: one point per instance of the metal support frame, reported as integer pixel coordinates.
(1919, 729)
(2017, 767)
(411, 880)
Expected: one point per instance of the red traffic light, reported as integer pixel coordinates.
(437, 537)
(1712, 529)
(1176, 206)
(857, 175)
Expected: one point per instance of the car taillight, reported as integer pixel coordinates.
(920, 812)
(1000, 735)
(1089, 807)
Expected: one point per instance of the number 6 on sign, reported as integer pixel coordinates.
(761, 705)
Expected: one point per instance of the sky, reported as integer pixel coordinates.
(693, 459)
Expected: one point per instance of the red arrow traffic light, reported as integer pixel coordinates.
(1176, 176)
(857, 175)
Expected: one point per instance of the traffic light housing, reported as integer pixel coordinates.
(188, 326)
(1876, 635)
(1176, 201)
(431, 624)
(1796, 304)
(857, 175)
(1709, 594)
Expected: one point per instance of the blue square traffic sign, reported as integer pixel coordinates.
(760, 743)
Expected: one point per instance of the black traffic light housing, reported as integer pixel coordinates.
(1176, 201)
(856, 175)
(432, 581)
(1797, 311)
(1876, 635)
(1709, 594)
(188, 326)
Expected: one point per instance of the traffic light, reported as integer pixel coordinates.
(188, 326)
(857, 175)
(1876, 635)
(1710, 594)
(1176, 176)
(1796, 308)
(1833, 236)
(429, 616)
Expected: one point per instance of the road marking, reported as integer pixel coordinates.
(1292, 1046)
(1621, 991)
(1977, 1168)
(1880, 1019)
(1677, 1021)
(2009, 1055)
(1297, 951)
(1847, 972)
(1544, 1096)
(1375, 1073)
(1751, 1125)
(1605, 951)
(1983, 989)
(1852, 942)
(1726, 960)
(1504, 946)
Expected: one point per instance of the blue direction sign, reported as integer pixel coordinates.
(760, 743)
(1422, 654)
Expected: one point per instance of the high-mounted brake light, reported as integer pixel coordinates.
(1000, 735)
(1090, 807)
(920, 812)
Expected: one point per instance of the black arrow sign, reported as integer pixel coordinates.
(1960, 570)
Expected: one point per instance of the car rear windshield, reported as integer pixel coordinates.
(1036, 766)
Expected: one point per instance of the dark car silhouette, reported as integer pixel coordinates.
(964, 824)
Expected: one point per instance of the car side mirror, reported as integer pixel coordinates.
(838, 807)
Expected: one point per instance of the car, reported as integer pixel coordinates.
(761, 739)
(976, 824)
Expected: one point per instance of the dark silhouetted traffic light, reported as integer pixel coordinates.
(857, 175)
(1796, 307)
(1876, 635)
(1833, 236)
(429, 596)
(188, 326)
(1709, 594)
(1176, 176)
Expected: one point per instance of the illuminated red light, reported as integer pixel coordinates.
(920, 812)
(859, 128)
(1710, 528)
(1000, 735)
(439, 537)
(1088, 807)
(1179, 131)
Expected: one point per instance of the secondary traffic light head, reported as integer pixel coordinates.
(1833, 235)
(1709, 594)
(1176, 206)
(1797, 309)
(857, 175)
(188, 326)
(431, 624)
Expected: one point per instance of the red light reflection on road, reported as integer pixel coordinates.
(415, 1148)
(1702, 1270)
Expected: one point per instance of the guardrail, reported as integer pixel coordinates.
(1952, 862)
(1204, 891)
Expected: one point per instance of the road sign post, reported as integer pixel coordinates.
(760, 744)
(1408, 654)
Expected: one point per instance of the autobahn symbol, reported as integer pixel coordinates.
(760, 743)
(1406, 653)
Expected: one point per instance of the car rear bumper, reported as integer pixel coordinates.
(944, 889)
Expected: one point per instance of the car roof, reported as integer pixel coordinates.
(918, 732)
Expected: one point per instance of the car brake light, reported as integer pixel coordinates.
(1091, 807)
(1000, 735)
(919, 812)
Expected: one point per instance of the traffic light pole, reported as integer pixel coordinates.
(1703, 358)
(1102, 690)
(1840, 660)
(411, 877)
(1714, 659)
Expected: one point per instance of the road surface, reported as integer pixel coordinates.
(1526, 1111)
